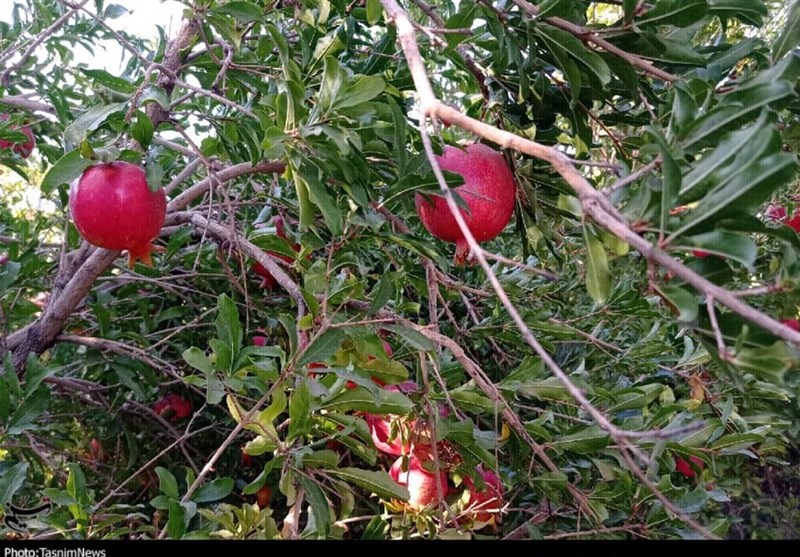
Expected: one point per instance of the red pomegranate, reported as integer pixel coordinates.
(268, 282)
(794, 221)
(23, 149)
(683, 466)
(792, 324)
(421, 484)
(380, 428)
(173, 406)
(484, 506)
(489, 191)
(113, 208)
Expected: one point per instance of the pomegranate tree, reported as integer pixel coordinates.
(23, 149)
(113, 208)
(489, 191)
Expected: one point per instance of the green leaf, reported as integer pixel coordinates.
(635, 398)
(229, 329)
(214, 490)
(765, 362)
(320, 507)
(699, 437)
(737, 106)
(319, 195)
(198, 360)
(750, 12)
(374, 11)
(588, 440)
(96, 116)
(154, 174)
(106, 79)
(598, 276)
(11, 479)
(321, 459)
(733, 245)
(322, 347)
(415, 339)
(713, 167)
(379, 401)
(734, 442)
(5, 400)
(680, 13)
(68, 168)
(215, 390)
(176, 525)
(789, 38)
(30, 409)
(362, 89)
(383, 291)
(378, 482)
(569, 43)
(155, 94)
(142, 130)
(245, 12)
(299, 412)
(167, 484)
(683, 301)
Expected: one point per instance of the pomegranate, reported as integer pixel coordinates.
(794, 221)
(380, 428)
(23, 149)
(263, 496)
(683, 466)
(113, 208)
(268, 282)
(700, 254)
(173, 406)
(421, 484)
(792, 324)
(489, 191)
(484, 506)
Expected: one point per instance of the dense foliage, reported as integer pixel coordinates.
(304, 359)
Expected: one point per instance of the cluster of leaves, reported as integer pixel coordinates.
(321, 86)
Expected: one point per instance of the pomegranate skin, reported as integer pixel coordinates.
(489, 191)
(421, 484)
(113, 208)
(485, 506)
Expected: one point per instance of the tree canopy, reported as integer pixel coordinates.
(302, 358)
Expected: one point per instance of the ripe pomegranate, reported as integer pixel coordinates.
(700, 254)
(247, 460)
(489, 191)
(421, 484)
(380, 428)
(268, 282)
(23, 149)
(484, 506)
(794, 221)
(173, 406)
(792, 324)
(682, 466)
(113, 208)
(263, 496)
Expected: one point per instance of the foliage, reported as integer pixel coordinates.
(684, 114)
